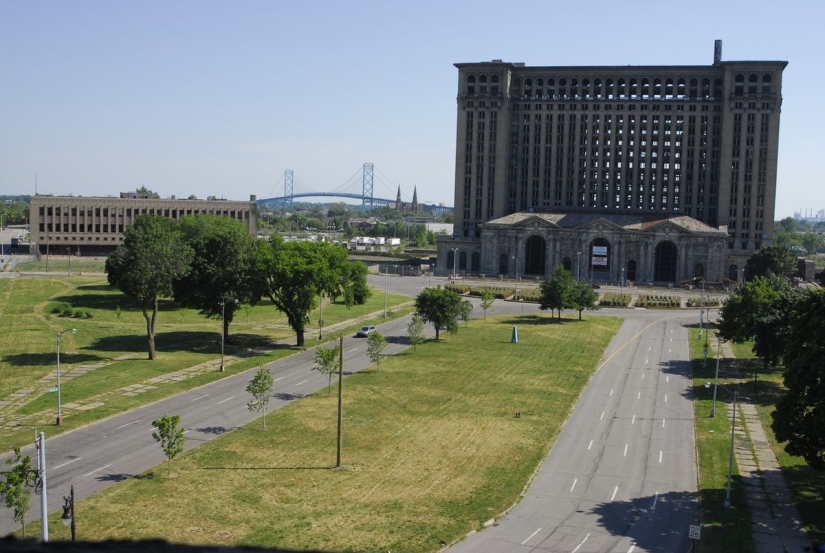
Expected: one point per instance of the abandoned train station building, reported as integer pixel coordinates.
(646, 173)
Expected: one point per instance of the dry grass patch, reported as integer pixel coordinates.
(432, 449)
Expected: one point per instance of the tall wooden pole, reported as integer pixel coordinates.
(340, 397)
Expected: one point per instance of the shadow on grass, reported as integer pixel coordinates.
(269, 468)
(46, 359)
(120, 477)
(535, 320)
(214, 430)
(286, 396)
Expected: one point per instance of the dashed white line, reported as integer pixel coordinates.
(600, 418)
(625, 452)
(197, 398)
(571, 487)
(670, 350)
(67, 463)
(639, 395)
(646, 360)
(531, 535)
(611, 392)
(615, 491)
(655, 500)
(581, 543)
(302, 382)
(187, 430)
(643, 376)
(667, 379)
(351, 350)
(127, 424)
(279, 378)
(660, 456)
(665, 398)
(663, 423)
(634, 420)
(97, 470)
(632, 548)
(590, 445)
(650, 348)
(225, 400)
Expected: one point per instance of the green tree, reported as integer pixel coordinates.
(169, 436)
(375, 347)
(260, 387)
(813, 242)
(800, 415)
(415, 331)
(466, 311)
(773, 260)
(293, 275)
(221, 269)
(487, 299)
(326, 362)
(788, 224)
(441, 307)
(583, 296)
(556, 291)
(14, 489)
(152, 257)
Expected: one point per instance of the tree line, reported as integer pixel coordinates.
(212, 264)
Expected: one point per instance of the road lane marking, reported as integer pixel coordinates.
(197, 398)
(632, 547)
(571, 488)
(639, 395)
(581, 543)
(531, 535)
(625, 454)
(302, 382)
(670, 350)
(663, 423)
(611, 392)
(667, 378)
(591, 444)
(634, 420)
(279, 378)
(600, 418)
(615, 491)
(643, 376)
(655, 500)
(646, 360)
(650, 348)
(351, 350)
(127, 424)
(225, 400)
(187, 430)
(97, 470)
(665, 398)
(68, 463)
(660, 456)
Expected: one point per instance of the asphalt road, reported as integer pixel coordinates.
(621, 476)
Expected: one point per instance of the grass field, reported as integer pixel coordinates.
(113, 346)
(432, 449)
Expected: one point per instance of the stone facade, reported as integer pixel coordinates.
(95, 225)
(592, 246)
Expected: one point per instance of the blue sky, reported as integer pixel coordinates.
(219, 98)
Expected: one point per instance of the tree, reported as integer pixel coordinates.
(221, 269)
(466, 311)
(813, 242)
(169, 436)
(800, 415)
(773, 260)
(555, 291)
(326, 363)
(14, 489)
(583, 296)
(260, 387)
(441, 307)
(415, 330)
(294, 274)
(375, 347)
(152, 257)
(487, 299)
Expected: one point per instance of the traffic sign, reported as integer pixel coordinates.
(695, 531)
(54, 389)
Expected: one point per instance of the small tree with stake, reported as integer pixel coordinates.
(169, 436)
(375, 347)
(18, 498)
(260, 387)
(415, 330)
(487, 299)
(325, 359)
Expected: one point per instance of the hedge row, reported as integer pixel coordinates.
(63, 309)
(611, 299)
(659, 302)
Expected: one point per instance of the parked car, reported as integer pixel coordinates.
(365, 331)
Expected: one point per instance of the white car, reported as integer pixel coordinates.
(365, 331)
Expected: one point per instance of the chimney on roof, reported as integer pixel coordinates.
(717, 52)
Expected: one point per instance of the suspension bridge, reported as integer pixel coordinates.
(361, 186)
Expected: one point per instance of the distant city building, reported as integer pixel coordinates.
(651, 143)
(95, 225)
(809, 215)
(407, 207)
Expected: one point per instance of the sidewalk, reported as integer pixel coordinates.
(775, 521)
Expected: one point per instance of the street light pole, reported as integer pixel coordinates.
(621, 284)
(716, 379)
(59, 407)
(68, 512)
(386, 270)
(69, 271)
(730, 458)
(455, 257)
(578, 266)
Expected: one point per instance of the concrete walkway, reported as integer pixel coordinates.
(775, 520)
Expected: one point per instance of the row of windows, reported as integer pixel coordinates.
(46, 239)
(119, 212)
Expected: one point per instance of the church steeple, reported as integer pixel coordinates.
(399, 205)
(415, 200)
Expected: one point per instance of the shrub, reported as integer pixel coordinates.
(58, 307)
(708, 302)
(650, 301)
(611, 299)
(67, 311)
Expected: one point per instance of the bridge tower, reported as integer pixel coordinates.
(367, 187)
(288, 188)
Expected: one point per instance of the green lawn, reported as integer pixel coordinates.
(432, 449)
(115, 343)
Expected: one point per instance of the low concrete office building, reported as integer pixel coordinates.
(95, 225)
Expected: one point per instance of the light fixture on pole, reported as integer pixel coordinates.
(621, 286)
(701, 307)
(578, 266)
(223, 327)
(59, 406)
(716, 378)
(455, 256)
(69, 253)
(735, 394)
(68, 517)
(386, 270)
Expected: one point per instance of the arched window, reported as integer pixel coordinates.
(471, 79)
(535, 252)
(669, 88)
(551, 86)
(694, 88)
(664, 262)
(622, 92)
(475, 262)
(739, 85)
(450, 260)
(503, 264)
(586, 88)
(645, 88)
(609, 91)
(717, 87)
(462, 261)
(600, 258)
(634, 88)
(753, 81)
(680, 88)
(562, 87)
(699, 271)
(528, 87)
(494, 79)
(597, 88)
(539, 87)
(705, 88)
(766, 84)
(657, 87)
(471, 88)
(733, 273)
(631, 270)
(482, 79)
(574, 87)
(567, 263)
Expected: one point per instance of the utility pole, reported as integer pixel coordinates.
(340, 397)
